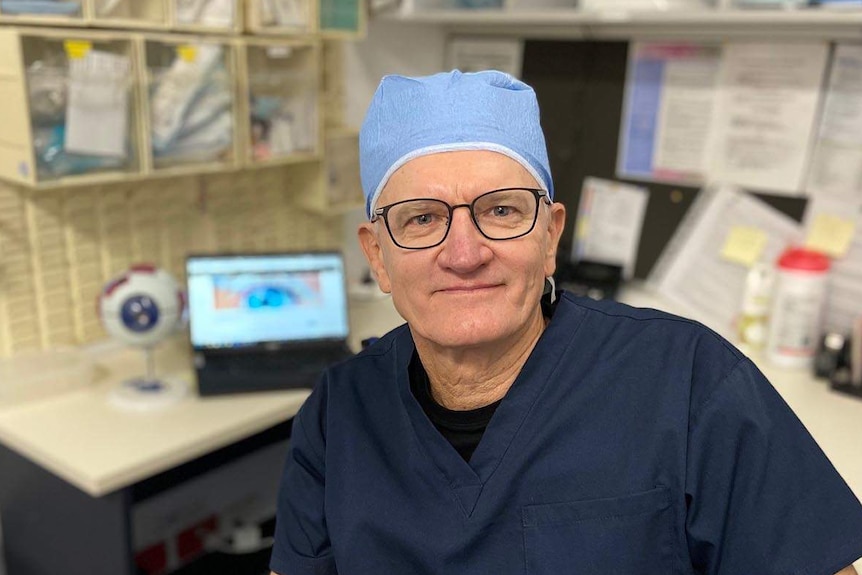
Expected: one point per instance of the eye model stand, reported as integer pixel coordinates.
(141, 308)
(149, 392)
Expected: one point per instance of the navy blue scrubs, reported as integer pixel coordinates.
(633, 442)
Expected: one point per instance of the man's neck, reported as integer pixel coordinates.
(469, 378)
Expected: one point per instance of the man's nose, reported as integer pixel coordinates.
(464, 249)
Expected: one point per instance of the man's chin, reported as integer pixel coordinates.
(464, 335)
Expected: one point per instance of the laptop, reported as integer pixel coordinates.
(266, 321)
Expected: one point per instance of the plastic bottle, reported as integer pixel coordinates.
(797, 307)
(752, 326)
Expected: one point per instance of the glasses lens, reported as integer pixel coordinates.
(418, 223)
(506, 214)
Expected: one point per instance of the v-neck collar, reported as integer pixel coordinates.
(468, 479)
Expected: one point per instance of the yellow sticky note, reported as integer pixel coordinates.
(77, 49)
(187, 53)
(744, 245)
(830, 234)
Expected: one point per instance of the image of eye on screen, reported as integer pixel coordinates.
(240, 301)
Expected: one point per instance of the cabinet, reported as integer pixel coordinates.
(53, 526)
(68, 106)
(158, 104)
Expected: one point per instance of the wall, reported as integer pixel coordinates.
(58, 248)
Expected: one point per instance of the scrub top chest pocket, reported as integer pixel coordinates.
(632, 534)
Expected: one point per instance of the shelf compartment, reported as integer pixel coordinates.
(206, 16)
(281, 101)
(281, 17)
(190, 105)
(151, 14)
(68, 106)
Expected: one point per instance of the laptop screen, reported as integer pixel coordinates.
(247, 300)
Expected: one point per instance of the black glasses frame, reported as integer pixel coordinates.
(383, 212)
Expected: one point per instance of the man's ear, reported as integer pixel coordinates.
(370, 244)
(556, 223)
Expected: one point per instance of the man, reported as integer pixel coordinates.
(499, 432)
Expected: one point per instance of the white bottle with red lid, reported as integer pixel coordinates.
(797, 307)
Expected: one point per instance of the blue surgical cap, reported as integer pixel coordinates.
(447, 112)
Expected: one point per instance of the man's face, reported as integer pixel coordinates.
(469, 290)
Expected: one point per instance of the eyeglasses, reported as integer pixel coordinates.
(422, 223)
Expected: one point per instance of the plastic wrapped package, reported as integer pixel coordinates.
(41, 7)
(54, 161)
(191, 108)
(46, 85)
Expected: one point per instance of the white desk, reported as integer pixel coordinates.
(98, 448)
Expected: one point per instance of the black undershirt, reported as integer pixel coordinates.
(463, 429)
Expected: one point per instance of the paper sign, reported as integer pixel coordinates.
(608, 226)
(77, 49)
(765, 114)
(830, 234)
(836, 167)
(744, 245)
(670, 97)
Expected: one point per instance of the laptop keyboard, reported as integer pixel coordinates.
(307, 362)
(302, 361)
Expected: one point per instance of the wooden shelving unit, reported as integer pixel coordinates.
(268, 80)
